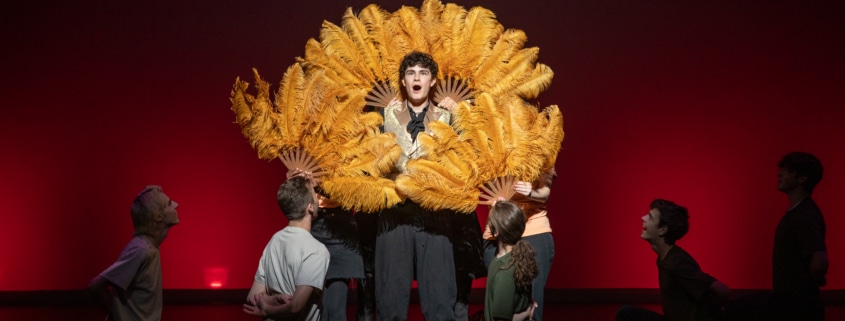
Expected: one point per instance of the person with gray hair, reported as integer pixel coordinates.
(130, 289)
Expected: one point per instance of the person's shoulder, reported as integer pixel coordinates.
(140, 246)
(497, 273)
(141, 242)
(441, 109)
(442, 113)
(289, 234)
(810, 205)
(315, 248)
(312, 243)
(806, 211)
(284, 232)
(676, 256)
(499, 262)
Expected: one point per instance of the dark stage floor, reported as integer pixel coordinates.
(230, 312)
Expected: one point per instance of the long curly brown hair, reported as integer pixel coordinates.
(507, 223)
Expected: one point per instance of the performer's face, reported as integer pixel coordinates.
(651, 222)
(418, 82)
(169, 214)
(315, 204)
(789, 180)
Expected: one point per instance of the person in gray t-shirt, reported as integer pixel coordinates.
(292, 269)
(130, 289)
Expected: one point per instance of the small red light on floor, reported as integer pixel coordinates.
(215, 277)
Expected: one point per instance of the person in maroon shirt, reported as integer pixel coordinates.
(799, 253)
(686, 292)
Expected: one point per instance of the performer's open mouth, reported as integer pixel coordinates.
(416, 87)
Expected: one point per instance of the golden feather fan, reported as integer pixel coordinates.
(496, 134)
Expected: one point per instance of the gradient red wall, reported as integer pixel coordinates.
(693, 101)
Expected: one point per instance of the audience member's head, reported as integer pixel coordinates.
(294, 197)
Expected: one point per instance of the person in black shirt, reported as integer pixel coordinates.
(799, 254)
(686, 292)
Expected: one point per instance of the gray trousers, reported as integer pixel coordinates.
(402, 250)
(335, 300)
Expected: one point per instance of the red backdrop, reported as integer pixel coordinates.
(693, 101)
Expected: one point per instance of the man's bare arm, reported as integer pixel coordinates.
(102, 291)
(720, 291)
(818, 266)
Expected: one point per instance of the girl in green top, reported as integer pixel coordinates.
(508, 294)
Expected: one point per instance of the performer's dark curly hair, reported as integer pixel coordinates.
(418, 58)
(507, 223)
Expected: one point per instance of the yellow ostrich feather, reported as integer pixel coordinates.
(492, 144)
(334, 67)
(491, 69)
(408, 20)
(446, 167)
(337, 112)
(539, 80)
(359, 35)
(338, 45)
(520, 67)
(536, 138)
(322, 139)
(481, 32)
(447, 147)
(259, 124)
(469, 134)
(400, 42)
(370, 122)
(451, 149)
(451, 29)
(289, 100)
(253, 117)
(430, 12)
(434, 172)
(382, 37)
(374, 156)
(481, 126)
(435, 194)
(551, 119)
(366, 193)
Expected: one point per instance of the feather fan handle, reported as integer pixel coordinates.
(300, 159)
(381, 95)
(498, 189)
(454, 88)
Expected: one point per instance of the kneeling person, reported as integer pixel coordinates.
(686, 292)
